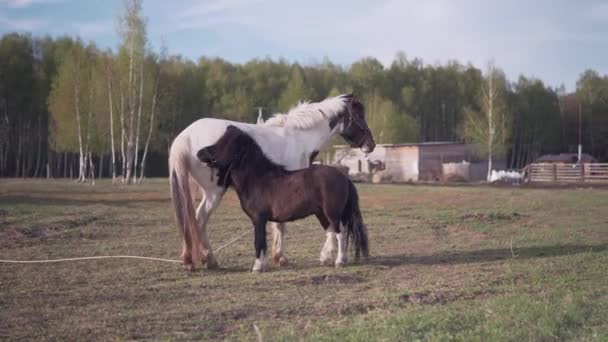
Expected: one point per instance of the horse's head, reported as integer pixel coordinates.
(226, 153)
(354, 127)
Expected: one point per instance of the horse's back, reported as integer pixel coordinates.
(329, 177)
(205, 132)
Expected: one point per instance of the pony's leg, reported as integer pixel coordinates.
(329, 247)
(209, 202)
(341, 258)
(278, 233)
(260, 246)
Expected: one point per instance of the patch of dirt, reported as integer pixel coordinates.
(12, 235)
(443, 297)
(491, 217)
(356, 309)
(234, 314)
(328, 279)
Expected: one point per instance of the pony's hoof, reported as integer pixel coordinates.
(340, 264)
(258, 267)
(188, 267)
(212, 264)
(257, 270)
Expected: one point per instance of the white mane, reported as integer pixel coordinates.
(306, 115)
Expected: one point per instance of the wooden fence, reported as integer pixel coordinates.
(568, 173)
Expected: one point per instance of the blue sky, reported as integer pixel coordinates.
(552, 40)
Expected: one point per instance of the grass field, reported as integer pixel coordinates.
(447, 263)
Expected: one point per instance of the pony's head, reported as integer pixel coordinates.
(225, 155)
(354, 128)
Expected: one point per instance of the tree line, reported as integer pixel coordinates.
(71, 109)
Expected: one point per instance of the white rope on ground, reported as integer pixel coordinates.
(114, 256)
(86, 258)
(232, 241)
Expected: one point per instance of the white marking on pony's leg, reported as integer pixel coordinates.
(278, 233)
(341, 258)
(328, 248)
(260, 264)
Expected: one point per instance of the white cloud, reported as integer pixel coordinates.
(25, 3)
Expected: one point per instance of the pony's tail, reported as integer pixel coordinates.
(356, 231)
(181, 197)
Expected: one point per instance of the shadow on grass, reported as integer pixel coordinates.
(484, 255)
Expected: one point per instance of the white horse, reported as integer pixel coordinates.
(291, 140)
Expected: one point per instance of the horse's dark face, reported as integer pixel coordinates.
(354, 129)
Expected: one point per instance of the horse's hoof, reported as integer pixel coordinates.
(340, 264)
(188, 267)
(283, 261)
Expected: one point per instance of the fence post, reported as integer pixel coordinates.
(582, 172)
(555, 172)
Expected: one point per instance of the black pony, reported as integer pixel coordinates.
(268, 192)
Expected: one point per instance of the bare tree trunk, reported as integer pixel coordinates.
(143, 158)
(91, 169)
(491, 92)
(49, 163)
(65, 165)
(122, 136)
(112, 130)
(141, 95)
(132, 94)
(4, 137)
(39, 154)
(81, 168)
(101, 158)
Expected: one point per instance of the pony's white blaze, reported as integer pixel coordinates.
(286, 139)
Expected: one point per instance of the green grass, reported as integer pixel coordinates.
(448, 263)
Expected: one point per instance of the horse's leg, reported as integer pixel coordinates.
(328, 248)
(211, 197)
(278, 233)
(209, 202)
(341, 258)
(260, 246)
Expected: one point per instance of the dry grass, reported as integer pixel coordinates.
(447, 263)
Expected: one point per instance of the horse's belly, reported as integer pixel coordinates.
(291, 211)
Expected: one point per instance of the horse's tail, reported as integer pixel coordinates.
(181, 196)
(356, 231)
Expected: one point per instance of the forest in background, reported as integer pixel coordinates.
(69, 108)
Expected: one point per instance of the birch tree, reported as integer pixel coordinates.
(490, 127)
(132, 30)
(66, 104)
